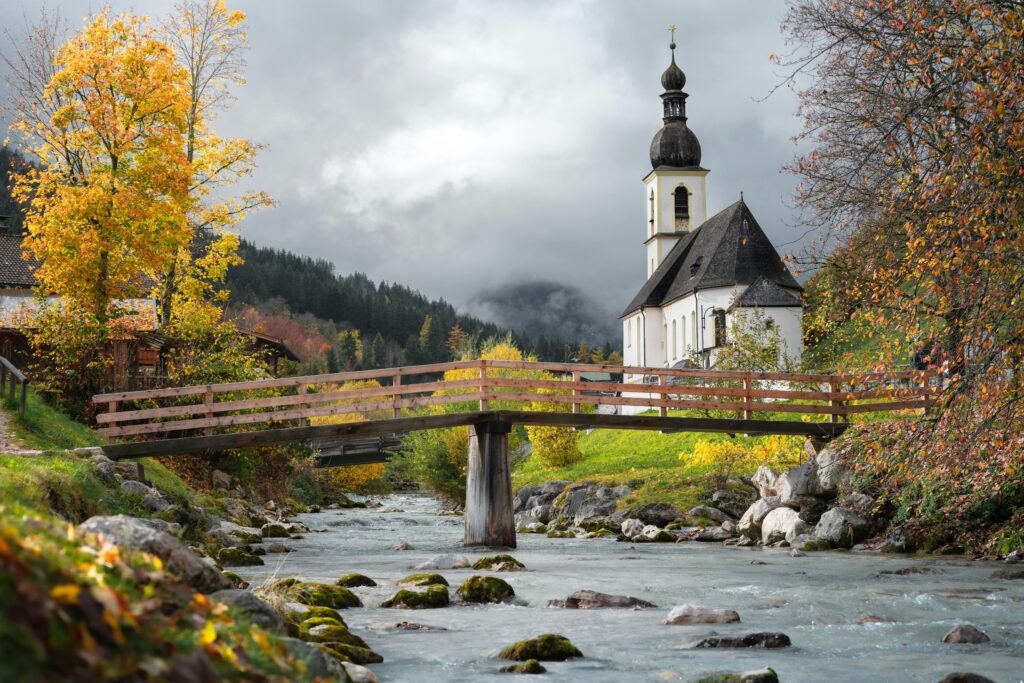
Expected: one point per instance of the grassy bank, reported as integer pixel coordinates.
(681, 469)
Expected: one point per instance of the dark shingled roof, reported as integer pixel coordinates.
(730, 248)
(14, 270)
(765, 294)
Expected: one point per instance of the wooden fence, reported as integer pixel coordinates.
(487, 385)
(9, 376)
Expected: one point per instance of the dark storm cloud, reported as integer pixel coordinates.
(460, 146)
(547, 309)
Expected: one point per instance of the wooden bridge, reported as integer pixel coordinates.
(490, 397)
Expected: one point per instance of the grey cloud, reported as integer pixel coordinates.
(458, 146)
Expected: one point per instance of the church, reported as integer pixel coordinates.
(703, 273)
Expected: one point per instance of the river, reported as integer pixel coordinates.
(816, 600)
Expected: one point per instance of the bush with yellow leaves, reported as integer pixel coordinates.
(726, 458)
(367, 478)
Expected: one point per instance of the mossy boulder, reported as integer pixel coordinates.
(484, 589)
(246, 537)
(433, 597)
(354, 580)
(766, 675)
(287, 582)
(350, 653)
(236, 580)
(499, 563)
(323, 595)
(237, 557)
(329, 633)
(425, 579)
(549, 647)
(315, 613)
(530, 666)
(274, 530)
(312, 622)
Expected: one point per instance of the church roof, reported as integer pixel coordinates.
(765, 294)
(730, 248)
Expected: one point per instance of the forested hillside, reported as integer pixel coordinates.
(362, 323)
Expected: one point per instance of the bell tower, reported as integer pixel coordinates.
(675, 188)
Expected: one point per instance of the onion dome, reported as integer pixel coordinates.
(675, 144)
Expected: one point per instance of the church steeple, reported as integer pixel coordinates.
(675, 144)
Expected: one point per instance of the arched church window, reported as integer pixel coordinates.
(675, 339)
(682, 200)
(720, 333)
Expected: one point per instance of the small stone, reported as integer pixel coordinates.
(963, 677)
(695, 614)
(707, 512)
(444, 562)
(499, 563)
(432, 597)
(359, 674)
(323, 595)
(911, 571)
(135, 488)
(549, 647)
(595, 600)
(485, 589)
(758, 562)
(423, 580)
(278, 548)
(530, 666)
(221, 480)
(760, 676)
(354, 580)
(631, 528)
(754, 640)
(237, 557)
(965, 633)
(274, 530)
(793, 552)
(411, 626)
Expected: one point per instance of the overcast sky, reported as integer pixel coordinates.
(456, 146)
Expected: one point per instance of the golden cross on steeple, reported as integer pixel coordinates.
(672, 32)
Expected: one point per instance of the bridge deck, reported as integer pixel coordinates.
(199, 444)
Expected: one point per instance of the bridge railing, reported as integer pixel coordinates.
(487, 385)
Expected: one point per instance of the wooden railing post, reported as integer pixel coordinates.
(833, 385)
(111, 408)
(484, 404)
(303, 389)
(663, 409)
(24, 397)
(396, 382)
(208, 403)
(748, 413)
(576, 378)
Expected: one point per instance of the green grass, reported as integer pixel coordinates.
(46, 428)
(655, 465)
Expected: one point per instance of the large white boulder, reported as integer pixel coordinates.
(842, 528)
(799, 481)
(750, 523)
(631, 528)
(765, 481)
(831, 470)
(780, 524)
(695, 614)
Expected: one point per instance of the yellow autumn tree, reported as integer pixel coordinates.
(208, 40)
(108, 204)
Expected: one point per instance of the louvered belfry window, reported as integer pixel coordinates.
(682, 197)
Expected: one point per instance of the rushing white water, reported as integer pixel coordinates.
(816, 600)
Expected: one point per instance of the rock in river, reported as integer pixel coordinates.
(355, 580)
(444, 562)
(594, 600)
(753, 640)
(432, 597)
(965, 633)
(499, 563)
(485, 589)
(425, 579)
(549, 647)
(695, 614)
(765, 675)
(323, 595)
(963, 677)
(530, 666)
(842, 528)
(237, 557)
